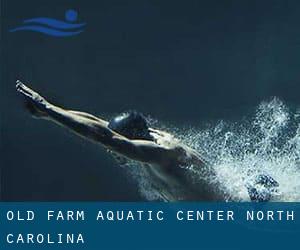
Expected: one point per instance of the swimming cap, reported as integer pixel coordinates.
(132, 125)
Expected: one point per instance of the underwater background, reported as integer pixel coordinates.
(222, 75)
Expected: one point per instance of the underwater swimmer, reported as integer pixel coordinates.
(129, 135)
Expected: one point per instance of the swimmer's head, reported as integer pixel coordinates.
(132, 125)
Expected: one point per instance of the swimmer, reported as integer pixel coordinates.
(129, 136)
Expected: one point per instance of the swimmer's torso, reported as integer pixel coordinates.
(177, 179)
(180, 183)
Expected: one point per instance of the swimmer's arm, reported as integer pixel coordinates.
(83, 124)
(87, 115)
(142, 150)
(38, 103)
(96, 129)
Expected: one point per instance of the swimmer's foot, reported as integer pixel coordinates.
(34, 103)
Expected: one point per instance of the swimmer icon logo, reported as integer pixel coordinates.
(53, 27)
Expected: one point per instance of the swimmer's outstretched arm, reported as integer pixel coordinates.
(95, 129)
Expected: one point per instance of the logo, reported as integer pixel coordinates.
(53, 27)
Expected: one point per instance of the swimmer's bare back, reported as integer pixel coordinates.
(165, 155)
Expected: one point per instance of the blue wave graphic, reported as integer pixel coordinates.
(53, 23)
(53, 27)
(47, 31)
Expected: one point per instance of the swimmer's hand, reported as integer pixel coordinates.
(35, 103)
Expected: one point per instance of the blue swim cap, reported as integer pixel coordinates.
(132, 125)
